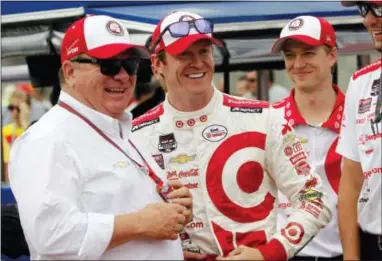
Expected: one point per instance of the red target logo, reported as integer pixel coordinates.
(191, 122)
(249, 171)
(293, 232)
(203, 118)
(179, 124)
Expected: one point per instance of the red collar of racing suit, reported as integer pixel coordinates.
(294, 118)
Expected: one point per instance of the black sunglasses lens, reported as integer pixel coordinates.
(363, 9)
(131, 66)
(377, 10)
(110, 67)
(12, 107)
(113, 67)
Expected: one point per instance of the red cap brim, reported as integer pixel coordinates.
(183, 43)
(278, 45)
(111, 50)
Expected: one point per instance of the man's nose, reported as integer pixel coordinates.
(299, 62)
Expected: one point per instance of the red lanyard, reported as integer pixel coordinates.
(148, 170)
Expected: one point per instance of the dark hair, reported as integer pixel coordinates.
(142, 89)
(162, 56)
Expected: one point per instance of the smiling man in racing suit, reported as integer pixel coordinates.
(231, 153)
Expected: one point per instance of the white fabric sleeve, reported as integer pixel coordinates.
(45, 177)
(287, 164)
(347, 143)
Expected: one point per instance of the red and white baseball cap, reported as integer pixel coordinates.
(353, 3)
(175, 46)
(310, 30)
(98, 36)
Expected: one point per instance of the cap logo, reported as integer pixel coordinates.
(186, 18)
(296, 24)
(114, 28)
(72, 49)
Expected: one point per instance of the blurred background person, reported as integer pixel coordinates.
(147, 96)
(241, 86)
(252, 86)
(19, 110)
(39, 104)
(220, 84)
(277, 92)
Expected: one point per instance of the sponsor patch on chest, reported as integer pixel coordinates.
(364, 105)
(215, 133)
(167, 143)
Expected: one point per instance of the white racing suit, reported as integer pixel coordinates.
(231, 155)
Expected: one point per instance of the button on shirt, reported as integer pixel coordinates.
(359, 143)
(69, 184)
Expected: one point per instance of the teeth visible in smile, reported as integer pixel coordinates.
(117, 90)
(196, 75)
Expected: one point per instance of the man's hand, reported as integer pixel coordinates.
(193, 256)
(161, 221)
(243, 253)
(182, 196)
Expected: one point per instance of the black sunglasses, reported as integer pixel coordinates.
(13, 107)
(364, 8)
(111, 67)
(182, 28)
(251, 79)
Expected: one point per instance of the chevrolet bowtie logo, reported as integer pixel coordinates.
(120, 164)
(182, 159)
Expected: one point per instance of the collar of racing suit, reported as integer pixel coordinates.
(294, 117)
(187, 120)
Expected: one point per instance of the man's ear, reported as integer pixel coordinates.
(334, 56)
(156, 65)
(68, 72)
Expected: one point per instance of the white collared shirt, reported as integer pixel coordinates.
(69, 184)
(358, 142)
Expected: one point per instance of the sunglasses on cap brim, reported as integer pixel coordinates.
(182, 28)
(364, 9)
(111, 67)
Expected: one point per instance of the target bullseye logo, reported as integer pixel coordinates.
(251, 170)
(293, 232)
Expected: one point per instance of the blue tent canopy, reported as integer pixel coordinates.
(248, 27)
(235, 15)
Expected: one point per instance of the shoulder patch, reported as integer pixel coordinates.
(368, 69)
(149, 118)
(244, 105)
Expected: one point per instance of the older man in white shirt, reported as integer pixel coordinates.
(85, 188)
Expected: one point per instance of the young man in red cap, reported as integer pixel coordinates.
(359, 202)
(229, 151)
(314, 108)
(84, 188)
